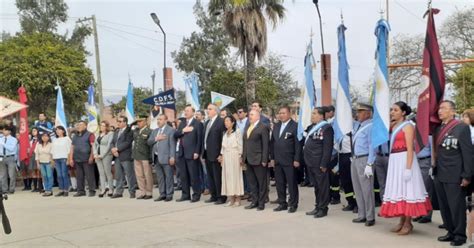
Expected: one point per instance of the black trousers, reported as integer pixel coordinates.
(345, 177)
(321, 187)
(85, 171)
(189, 174)
(286, 175)
(334, 180)
(257, 176)
(214, 178)
(452, 203)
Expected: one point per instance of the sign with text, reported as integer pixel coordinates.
(164, 99)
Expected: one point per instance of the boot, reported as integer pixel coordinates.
(28, 183)
(25, 183)
(35, 185)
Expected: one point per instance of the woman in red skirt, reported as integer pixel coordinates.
(405, 194)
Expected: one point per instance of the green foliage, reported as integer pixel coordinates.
(140, 108)
(463, 82)
(41, 15)
(37, 61)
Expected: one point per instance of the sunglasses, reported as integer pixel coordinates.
(240, 111)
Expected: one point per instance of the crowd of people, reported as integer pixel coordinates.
(234, 157)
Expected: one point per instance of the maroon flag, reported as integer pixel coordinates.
(23, 139)
(433, 82)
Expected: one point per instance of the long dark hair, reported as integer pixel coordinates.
(232, 119)
(404, 107)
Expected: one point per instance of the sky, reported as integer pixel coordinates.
(131, 44)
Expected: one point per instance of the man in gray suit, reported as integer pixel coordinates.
(164, 150)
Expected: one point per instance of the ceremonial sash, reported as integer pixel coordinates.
(445, 130)
(315, 128)
(396, 131)
(356, 135)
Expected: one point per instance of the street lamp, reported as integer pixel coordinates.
(157, 21)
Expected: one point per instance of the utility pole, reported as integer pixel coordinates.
(153, 82)
(97, 60)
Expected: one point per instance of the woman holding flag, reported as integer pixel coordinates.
(405, 194)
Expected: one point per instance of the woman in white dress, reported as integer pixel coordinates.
(231, 162)
(405, 194)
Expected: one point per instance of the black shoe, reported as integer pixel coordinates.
(79, 194)
(321, 213)
(168, 199)
(114, 196)
(416, 219)
(147, 197)
(348, 208)
(110, 194)
(195, 199)
(141, 197)
(92, 194)
(446, 238)
(210, 200)
(335, 201)
(161, 198)
(65, 194)
(219, 202)
(280, 208)
(314, 212)
(355, 210)
(59, 194)
(260, 208)
(251, 206)
(132, 195)
(424, 220)
(103, 193)
(457, 242)
(182, 199)
(359, 220)
(304, 184)
(73, 190)
(370, 223)
(274, 202)
(292, 210)
(442, 226)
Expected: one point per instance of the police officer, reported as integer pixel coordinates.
(362, 171)
(317, 155)
(453, 171)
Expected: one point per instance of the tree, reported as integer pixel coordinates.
(38, 61)
(41, 15)
(140, 108)
(205, 51)
(245, 23)
(463, 82)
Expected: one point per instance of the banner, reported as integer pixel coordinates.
(60, 113)
(9, 107)
(192, 90)
(129, 111)
(220, 100)
(91, 109)
(24, 138)
(164, 99)
(307, 91)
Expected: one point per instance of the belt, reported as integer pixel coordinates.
(424, 157)
(361, 156)
(383, 154)
(7, 156)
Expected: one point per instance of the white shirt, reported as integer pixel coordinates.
(61, 147)
(344, 146)
(241, 124)
(283, 126)
(472, 134)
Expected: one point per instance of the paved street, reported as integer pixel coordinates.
(72, 222)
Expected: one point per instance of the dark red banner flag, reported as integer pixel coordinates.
(432, 88)
(23, 138)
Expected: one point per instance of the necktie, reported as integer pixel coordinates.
(249, 131)
(208, 127)
(4, 147)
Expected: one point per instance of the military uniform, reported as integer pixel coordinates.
(141, 156)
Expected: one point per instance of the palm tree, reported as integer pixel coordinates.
(245, 23)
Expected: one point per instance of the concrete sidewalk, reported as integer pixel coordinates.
(78, 222)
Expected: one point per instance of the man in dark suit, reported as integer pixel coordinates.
(255, 154)
(258, 107)
(190, 135)
(213, 132)
(285, 150)
(453, 171)
(317, 155)
(122, 151)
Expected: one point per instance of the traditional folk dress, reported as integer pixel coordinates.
(403, 197)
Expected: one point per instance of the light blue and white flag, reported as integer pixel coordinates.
(343, 121)
(381, 119)
(60, 113)
(220, 100)
(307, 99)
(129, 112)
(192, 90)
(91, 109)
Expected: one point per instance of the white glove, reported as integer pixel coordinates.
(407, 175)
(430, 173)
(368, 171)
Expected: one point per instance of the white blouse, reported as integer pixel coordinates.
(61, 147)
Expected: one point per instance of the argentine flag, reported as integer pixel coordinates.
(343, 121)
(381, 119)
(91, 109)
(307, 101)
(129, 107)
(192, 90)
(60, 114)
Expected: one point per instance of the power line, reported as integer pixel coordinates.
(137, 35)
(409, 11)
(138, 27)
(137, 43)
